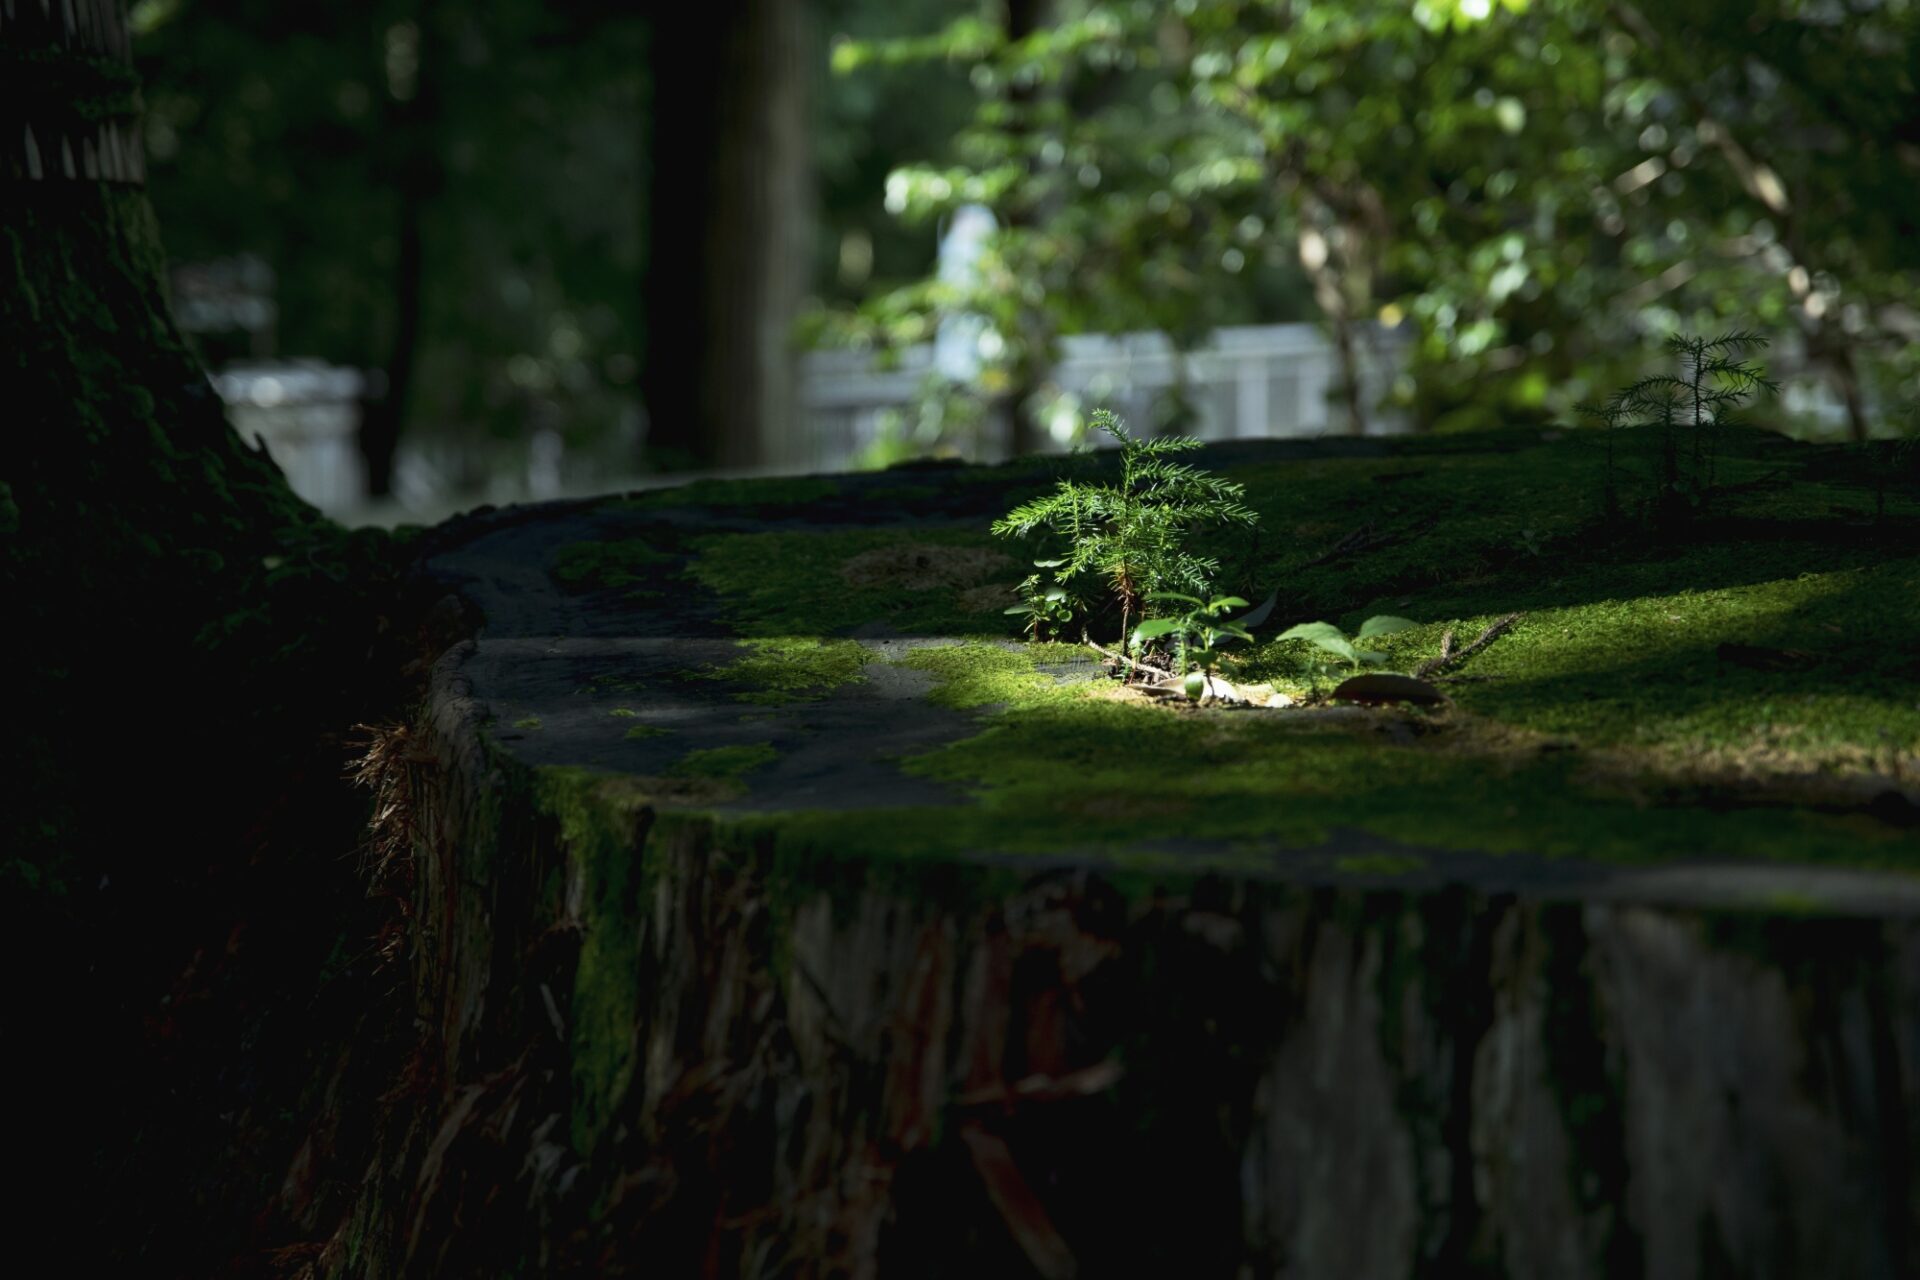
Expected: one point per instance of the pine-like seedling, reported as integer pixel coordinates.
(1136, 536)
(1691, 408)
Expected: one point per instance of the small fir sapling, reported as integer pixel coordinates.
(1715, 382)
(1135, 536)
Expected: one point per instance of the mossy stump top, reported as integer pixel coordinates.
(1727, 712)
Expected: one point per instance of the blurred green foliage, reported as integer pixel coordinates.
(1542, 189)
(298, 133)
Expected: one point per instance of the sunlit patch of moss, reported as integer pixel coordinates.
(527, 722)
(1082, 773)
(624, 713)
(769, 491)
(724, 762)
(978, 674)
(640, 732)
(602, 565)
(784, 583)
(1619, 653)
(1090, 771)
(1649, 672)
(782, 669)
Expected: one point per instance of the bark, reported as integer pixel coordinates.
(127, 504)
(728, 226)
(132, 528)
(413, 125)
(653, 1048)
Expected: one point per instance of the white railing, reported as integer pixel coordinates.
(1255, 381)
(306, 413)
(1267, 380)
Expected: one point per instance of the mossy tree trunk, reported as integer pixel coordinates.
(131, 512)
(154, 678)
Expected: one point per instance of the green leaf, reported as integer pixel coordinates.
(1019, 608)
(1255, 617)
(1172, 595)
(1314, 631)
(1155, 627)
(1337, 644)
(1371, 657)
(1384, 625)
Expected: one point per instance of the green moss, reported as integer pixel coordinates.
(624, 713)
(978, 674)
(596, 817)
(724, 762)
(1580, 733)
(1089, 771)
(1648, 672)
(527, 722)
(642, 731)
(794, 583)
(591, 566)
(783, 669)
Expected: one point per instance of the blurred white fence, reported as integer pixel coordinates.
(1265, 380)
(1268, 380)
(306, 413)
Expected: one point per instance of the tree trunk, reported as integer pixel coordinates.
(413, 124)
(127, 503)
(133, 529)
(692, 1055)
(729, 219)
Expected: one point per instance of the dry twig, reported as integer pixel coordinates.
(1144, 668)
(1449, 658)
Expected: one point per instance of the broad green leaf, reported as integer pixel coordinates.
(1255, 617)
(1371, 657)
(1019, 608)
(1336, 644)
(1155, 627)
(1384, 625)
(1314, 631)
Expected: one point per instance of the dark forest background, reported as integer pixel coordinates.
(618, 224)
